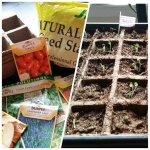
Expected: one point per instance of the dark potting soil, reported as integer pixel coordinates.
(133, 67)
(93, 92)
(100, 67)
(84, 49)
(83, 53)
(81, 59)
(123, 89)
(128, 49)
(128, 122)
(100, 50)
(108, 34)
(85, 122)
(135, 34)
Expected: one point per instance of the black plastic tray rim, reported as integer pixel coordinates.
(105, 141)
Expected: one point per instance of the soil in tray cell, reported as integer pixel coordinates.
(81, 59)
(134, 48)
(80, 67)
(136, 90)
(86, 120)
(135, 34)
(105, 48)
(133, 67)
(129, 120)
(111, 33)
(100, 67)
(84, 49)
(97, 90)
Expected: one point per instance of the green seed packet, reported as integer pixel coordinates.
(64, 103)
(41, 90)
(58, 132)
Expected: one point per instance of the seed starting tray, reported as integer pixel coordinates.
(13, 31)
(110, 102)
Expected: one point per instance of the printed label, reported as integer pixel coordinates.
(38, 111)
(33, 86)
(126, 21)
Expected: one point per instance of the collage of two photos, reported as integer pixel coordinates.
(74, 75)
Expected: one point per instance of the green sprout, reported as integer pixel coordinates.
(103, 47)
(109, 43)
(102, 67)
(133, 87)
(135, 47)
(92, 91)
(137, 65)
(126, 119)
(133, 35)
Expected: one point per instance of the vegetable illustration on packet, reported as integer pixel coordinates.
(12, 130)
(31, 58)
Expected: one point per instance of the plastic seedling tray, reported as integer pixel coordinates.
(110, 100)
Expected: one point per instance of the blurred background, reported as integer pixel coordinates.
(110, 12)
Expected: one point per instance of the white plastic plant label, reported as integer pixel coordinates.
(126, 21)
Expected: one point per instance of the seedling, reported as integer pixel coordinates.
(137, 65)
(92, 91)
(102, 67)
(103, 47)
(109, 43)
(133, 87)
(135, 47)
(133, 35)
(126, 119)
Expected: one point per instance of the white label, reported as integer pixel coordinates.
(38, 111)
(24, 76)
(126, 21)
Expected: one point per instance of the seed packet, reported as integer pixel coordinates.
(64, 86)
(58, 132)
(41, 90)
(31, 58)
(61, 23)
(12, 130)
(64, 104)
(41, 121)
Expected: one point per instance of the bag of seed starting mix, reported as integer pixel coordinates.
(41, 90)
(12, 130)
(61, 23)
(31, 58)
(41, 121)
(57, 138)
